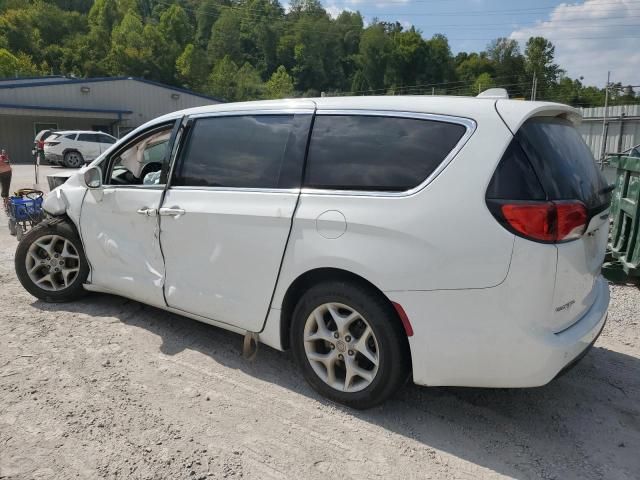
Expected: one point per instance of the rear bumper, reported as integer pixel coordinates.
(489, 338)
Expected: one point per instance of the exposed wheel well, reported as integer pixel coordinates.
(313, 277)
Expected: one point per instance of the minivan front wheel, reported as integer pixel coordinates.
(50, 262)
(349, 345)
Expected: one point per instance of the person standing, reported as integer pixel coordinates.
(5, 177)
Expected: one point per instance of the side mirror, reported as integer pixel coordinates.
(93, 177)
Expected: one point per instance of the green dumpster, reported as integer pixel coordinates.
(625, 213)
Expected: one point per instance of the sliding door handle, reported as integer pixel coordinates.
(149, 212)
(171, 212)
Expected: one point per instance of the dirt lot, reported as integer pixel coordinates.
(109, 388)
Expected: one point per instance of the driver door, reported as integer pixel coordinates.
(119, 222)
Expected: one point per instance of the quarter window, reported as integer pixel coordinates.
(249, 151)
(359, 152)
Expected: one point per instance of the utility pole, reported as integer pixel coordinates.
(534, 87)
(604, 121)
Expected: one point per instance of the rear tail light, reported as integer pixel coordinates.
(548, 222)
(50, 144)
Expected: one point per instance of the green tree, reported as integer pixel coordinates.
(249, 85)
(222, 81)
(225, 37)
(509, 65)
(280, 85)
(483, 82)
(408, 59)
(16, 66)
(130, 52)
(375, 48)
(191, 67)
(539, 61)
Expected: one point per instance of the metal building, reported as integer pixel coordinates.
(622, 128)
(114, 105)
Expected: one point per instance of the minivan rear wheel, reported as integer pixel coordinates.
(73, 159)
(348, 344)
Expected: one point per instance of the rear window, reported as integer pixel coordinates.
(375, 153)
(564, 164)
(88, 137)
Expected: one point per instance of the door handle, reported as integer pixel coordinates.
(171, 212)
(149, 212)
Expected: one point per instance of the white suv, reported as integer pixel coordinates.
(74, 148)
(456, 240)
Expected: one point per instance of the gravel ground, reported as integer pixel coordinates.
(110, 388)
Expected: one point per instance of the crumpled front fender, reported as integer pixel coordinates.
(55, 203)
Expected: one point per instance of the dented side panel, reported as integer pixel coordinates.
(121, 244)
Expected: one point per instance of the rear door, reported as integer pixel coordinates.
(567, 170)
(105, 141)
(226, 216)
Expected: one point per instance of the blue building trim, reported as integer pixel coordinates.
(64, 109)
(69, 81)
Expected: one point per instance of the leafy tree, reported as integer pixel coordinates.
(509, 65)
(249, 85)
(15, 66)
(539, 56)
(375, 48)
(222, 80)
(408, 59)
(225, 37)
(191, 67)
(440, 62)
(483, 82)
(280, 85)
(130, 52)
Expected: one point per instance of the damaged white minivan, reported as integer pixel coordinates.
(457, 241)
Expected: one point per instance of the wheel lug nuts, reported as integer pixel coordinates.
(347, 338)
(340, 356)
(333, 346)
(336, 335)
(351, 352)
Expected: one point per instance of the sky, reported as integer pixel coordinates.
(591, 36)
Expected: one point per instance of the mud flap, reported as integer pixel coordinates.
(250, 346)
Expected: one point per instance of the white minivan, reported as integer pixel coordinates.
(457, 241)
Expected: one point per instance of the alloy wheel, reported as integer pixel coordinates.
(341, 347)
(52, 262)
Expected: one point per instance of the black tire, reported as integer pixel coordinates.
(394, 359)
(60, 227)
(12, 227)
(73, 159)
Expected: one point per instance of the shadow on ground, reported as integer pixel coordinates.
(551, 432)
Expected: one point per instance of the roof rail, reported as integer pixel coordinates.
(494, 93)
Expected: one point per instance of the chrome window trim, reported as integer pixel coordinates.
(250, 112)
(137, 187)
(468, 123)
(235, 189)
